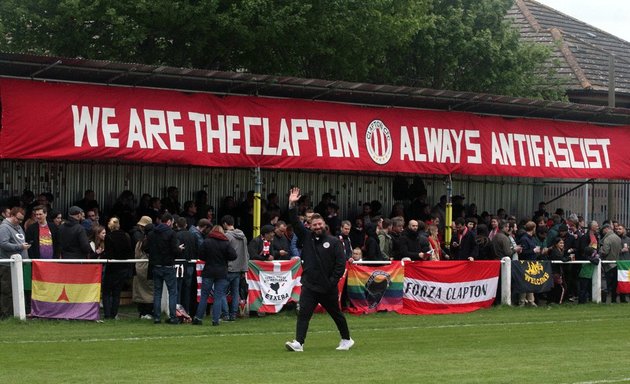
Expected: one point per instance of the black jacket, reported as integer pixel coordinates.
(412, 243)
(583, 242)
(467, 247)
(255, 248)
(357, 237)
(191, 249)
(527, 244)
(73, 240)
(32, 235)
(136, 234)
(163, 246)
(485, 248)
(280, 243)
(118, 247)
(333, 222)
(372, 250)
(323, 259)
(396, 239)
(347, 246)
(216, 251)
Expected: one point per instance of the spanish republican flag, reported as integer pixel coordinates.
(66, 291)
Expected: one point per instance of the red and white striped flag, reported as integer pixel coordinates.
(272, 284)
(434, 287)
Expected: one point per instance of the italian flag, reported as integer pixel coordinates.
(623, 280)
(436, 287)
(272, 284)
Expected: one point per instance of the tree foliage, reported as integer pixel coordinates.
(450, 44)
(470, 46)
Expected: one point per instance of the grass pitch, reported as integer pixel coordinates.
(558, 344)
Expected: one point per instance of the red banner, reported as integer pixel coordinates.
(89, 122)
(435, 287)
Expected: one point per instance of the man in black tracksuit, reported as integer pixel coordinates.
(323, 265)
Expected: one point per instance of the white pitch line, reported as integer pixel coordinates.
(285, 333)
(624, 380)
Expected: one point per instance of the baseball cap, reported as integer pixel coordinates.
(74, 210)
(144, 220)
(266, 229)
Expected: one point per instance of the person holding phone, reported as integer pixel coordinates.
(12, 241)
(463, 245)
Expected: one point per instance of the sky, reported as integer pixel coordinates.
(612, 16)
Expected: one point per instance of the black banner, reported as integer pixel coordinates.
(531, 276)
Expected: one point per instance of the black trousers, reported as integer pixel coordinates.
(308, 302)
(611, 284)
(112, 286)
(6, 292)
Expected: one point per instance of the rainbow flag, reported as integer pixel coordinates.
(272, 284)
(66, 291)
(375, 288)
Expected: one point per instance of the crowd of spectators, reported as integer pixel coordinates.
(164, 230)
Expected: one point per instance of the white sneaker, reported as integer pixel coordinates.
(294, 346)
(344, 344)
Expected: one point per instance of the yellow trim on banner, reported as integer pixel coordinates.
(66, 293)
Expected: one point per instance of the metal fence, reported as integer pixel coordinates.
(591, 198)
(518, 196)
(68, 180)
(17, 278)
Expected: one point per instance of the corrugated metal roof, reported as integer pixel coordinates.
(48, 68)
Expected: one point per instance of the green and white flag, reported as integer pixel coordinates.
(272, 284)
(623, 280)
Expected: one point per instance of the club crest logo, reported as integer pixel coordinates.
(378, 141)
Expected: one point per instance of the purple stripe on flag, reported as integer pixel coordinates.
(76, 311)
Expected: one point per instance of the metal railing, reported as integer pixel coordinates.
(17, 278)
